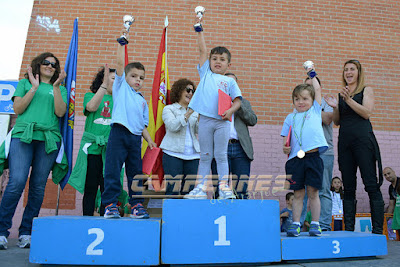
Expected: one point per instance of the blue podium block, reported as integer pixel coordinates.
(336, 244)
(220, 231)
(95, 241)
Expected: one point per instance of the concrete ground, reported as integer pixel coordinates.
(17, 257)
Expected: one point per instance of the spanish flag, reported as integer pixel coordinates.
(159, 99)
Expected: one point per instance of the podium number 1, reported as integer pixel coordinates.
(99, 238)
(221, 221)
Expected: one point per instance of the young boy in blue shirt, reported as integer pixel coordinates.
(287, 213)
(307, 142)
(130, 117)
(214, 129)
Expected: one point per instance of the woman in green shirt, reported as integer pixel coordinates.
(39, 101)
(87, 175)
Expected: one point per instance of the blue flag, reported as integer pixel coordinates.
(67, 122)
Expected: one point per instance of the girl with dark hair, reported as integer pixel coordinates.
(87, 175)
(357, 145)
(180, 145)
(337, 203)
(39, 101)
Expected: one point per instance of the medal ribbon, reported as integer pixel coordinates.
(301, 129)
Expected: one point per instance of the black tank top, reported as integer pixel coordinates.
(353, 125)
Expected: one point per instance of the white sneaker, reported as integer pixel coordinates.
(225, 192)
(3, 242)
(24, 241)
(196, 193)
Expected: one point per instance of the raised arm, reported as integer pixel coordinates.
(95, 102)
(21, 103)
(121, 58)
(202, 48)
(59, 105)
(333, 102)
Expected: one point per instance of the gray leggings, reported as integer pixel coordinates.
(213, 139)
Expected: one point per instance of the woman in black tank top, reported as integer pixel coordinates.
(357, 145)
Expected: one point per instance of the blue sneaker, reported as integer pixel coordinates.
(112, 212)
(139, 212)
(315, 230)
(293, 230)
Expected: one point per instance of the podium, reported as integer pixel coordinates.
(337, 244)
(220, 231)
(85, 240)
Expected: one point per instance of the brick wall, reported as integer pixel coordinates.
(269, 41)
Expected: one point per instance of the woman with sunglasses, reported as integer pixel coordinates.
(87, 175)
(39, 101)
(180, 145)
(357, 145)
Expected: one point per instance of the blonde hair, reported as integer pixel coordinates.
(360, 79)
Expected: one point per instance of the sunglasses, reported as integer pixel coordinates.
(188, 89)
(46, 63)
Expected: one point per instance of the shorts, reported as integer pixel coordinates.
(306, 171)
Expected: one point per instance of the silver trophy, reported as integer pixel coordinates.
(308, 64)
(128, 20)
(199, 13)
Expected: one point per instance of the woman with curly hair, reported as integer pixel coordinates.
(39, 101)
(87, 175)
(180, 145)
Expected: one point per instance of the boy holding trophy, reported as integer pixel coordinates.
(214, 128)
(128, 125)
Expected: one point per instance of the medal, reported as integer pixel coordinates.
(301, 154)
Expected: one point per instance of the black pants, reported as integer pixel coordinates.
(94, 179)
(359, 153)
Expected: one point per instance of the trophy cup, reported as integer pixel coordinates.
(128, 20)
(199, 13)
(309, 66)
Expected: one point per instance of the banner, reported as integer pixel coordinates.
(67, 122)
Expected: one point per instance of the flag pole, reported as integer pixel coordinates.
(166, 50)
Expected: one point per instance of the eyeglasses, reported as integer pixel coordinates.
(188, 89)
(46, 63)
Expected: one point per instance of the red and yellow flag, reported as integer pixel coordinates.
(159, 99)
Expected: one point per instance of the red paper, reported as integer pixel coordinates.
(149, 160)
(288, 137)
(224, 103)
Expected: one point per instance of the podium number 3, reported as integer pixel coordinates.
(221, 221)
(99, 238)
(336, 247)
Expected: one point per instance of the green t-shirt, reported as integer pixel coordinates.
(40, 110)
(98, 122)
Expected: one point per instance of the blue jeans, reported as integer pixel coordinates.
(21, 157)
(175, 166)
(123, 147)
(325, 198)
(239, 165)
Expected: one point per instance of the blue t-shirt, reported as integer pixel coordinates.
(130, 108)
(313, 134)
(205, 99)
(286, 221)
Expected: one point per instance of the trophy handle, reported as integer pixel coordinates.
(122, 40)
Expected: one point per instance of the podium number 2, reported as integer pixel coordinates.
(221, 221)
(99, 238)
(336, 247)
